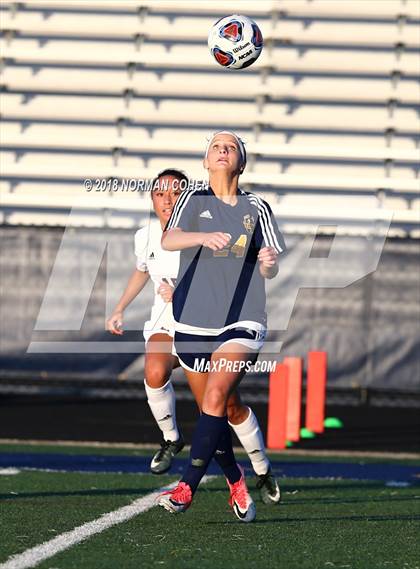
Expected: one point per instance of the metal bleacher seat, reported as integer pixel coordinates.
(28, 205)
(105, 138)
(149, 55)
(344, 8)
(332, 178)
(317, 8)
(171, 84)
(180, 27)
(211, 114)
(121, 91)
(311, 8)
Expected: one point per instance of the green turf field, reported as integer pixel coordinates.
(319, 524)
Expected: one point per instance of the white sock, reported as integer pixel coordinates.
(162, 405)
(250, 435)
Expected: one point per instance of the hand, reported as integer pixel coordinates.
(166, 291)
(216, 241)
(115, 322)
(268, 256)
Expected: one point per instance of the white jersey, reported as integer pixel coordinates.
(160, 265)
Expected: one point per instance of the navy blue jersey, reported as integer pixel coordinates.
(219, 288)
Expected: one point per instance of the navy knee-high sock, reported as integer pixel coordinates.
(204, 443)
(225, 457)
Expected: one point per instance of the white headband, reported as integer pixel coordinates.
(241, 145)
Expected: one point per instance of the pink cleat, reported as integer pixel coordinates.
(240, 499)
(177, 500)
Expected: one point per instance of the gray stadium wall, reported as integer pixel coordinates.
(370, 328)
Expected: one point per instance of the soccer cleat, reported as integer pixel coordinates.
(162, 460)
(177, 500)
(240, 500)
(269, 488)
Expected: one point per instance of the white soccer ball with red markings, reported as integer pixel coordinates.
(235, 41)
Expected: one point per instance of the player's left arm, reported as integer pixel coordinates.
(179, 231)
(166, 289)
(269, 265)
(271, 240)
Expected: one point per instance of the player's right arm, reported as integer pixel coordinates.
(180, 230)
(176, 239)
(135, 285)
(136, 282)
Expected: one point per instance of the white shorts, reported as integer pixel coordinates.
(161, 321)
(147, 333)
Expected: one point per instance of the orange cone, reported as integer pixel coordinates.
(316, 385)
(294, 398)
(277, 407)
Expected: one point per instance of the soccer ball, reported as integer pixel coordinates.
(235, 41)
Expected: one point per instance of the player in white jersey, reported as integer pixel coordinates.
(162, 268)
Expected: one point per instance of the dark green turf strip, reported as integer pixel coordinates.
(321, 524)
(37, 506)
(74, 449)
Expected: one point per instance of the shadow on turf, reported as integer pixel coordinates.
(396, 518)
(119, 492)
(298, 502)
(362, 485)
(294, 501)
(342, 485)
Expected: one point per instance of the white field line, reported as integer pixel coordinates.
(8, 471)
(33, 556)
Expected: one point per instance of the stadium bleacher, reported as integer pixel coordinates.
(329, 111)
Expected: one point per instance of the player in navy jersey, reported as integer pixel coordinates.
(229, 243)
(152, 262)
